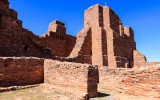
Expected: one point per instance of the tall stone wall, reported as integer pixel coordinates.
(70, 43)
(80, 80)
(109, 37)
(124, 47)
(55, 38)
(17, 41)
(21, 71)
(120, 40)
(112, 44)
(82, 50)
(144, 81)
(94, 18)
(103, 41)
(21, 44)
(4, 4)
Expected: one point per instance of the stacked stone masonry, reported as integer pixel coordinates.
(139, 59)
(72, 78)
(143, 81)
(103, 41)
(21, 71)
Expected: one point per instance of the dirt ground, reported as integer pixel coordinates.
(46, 92)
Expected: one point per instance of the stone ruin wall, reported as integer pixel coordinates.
(144, 81)
(56, 39)
(9, 17)
(103, 41)
(80, 80)
(82, 50)
(15, 40)
(139, 59)
(13, 43)
(72, 78)
(112, 44)
(120, 41)
(21, 71)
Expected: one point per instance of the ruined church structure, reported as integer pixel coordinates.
(103, 52)
(103, 41)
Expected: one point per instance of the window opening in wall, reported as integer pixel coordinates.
(26, 48)
(56, 35)
(0, 20)
(129, 63)
(53, 35)
(62, 38)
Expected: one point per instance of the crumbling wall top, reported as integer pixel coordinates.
(4, 5)
(57, 26)
(58, 23)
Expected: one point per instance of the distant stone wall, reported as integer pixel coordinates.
(70, 43)
(72, 78)
(139, 59)
(21, 71)
(144, 81)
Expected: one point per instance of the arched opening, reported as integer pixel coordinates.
(26, 48)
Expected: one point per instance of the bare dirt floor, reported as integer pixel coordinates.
(46, 92)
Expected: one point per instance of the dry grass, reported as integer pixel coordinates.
(36, 93)
(46, 92)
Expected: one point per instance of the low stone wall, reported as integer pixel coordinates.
(79, 80)
(21, 71)
(143, 81)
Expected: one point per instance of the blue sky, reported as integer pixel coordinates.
(142, 15)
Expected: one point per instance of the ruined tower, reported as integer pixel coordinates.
(111, 43)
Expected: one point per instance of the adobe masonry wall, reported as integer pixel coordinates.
(139, 59)
(143, 81)
(56, 39)
(21, 71)
(80, 80)
(120, 40)
(106, 41)
(15, 40)
(82, 50)
(93, 19)
(70, 43)
(112, 44)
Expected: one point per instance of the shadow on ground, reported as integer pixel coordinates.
(100, 94)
